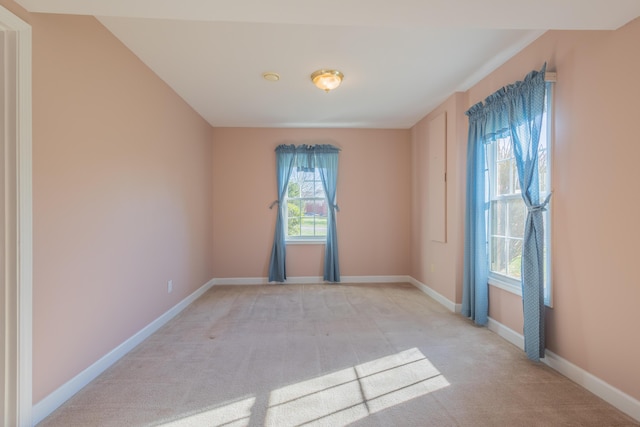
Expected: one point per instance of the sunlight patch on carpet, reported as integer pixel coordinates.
(351, 394)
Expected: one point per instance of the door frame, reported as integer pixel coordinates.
(16, 284)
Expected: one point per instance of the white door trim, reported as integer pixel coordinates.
(16, 283)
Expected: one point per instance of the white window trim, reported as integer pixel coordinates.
(16, 402)
(505, 283)
(305, 241)
(548, 230)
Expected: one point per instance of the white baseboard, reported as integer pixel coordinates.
(375, 279)
(241, 281)
(595, 385)
(507, 333)
(54, 400)
(309, 279)
(447, 303)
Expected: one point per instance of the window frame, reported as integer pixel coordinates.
(502, 281)
(303, 240)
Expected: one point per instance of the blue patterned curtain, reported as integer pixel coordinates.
(285, 160)
(526, 107)
(514, 111)
(327, 163)
(325, 158)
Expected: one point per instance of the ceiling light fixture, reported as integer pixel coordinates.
(271, 76)
(327, 79)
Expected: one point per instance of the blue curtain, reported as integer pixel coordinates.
(327, 163)
(325, 158)
(526, 107)
(285, 160)
(514, 111)
(475, 295)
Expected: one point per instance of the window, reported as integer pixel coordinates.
(508, 212)
(306, 215)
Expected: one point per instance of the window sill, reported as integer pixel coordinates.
(513, 287)
(305, 242)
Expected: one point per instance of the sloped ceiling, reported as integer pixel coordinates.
(400, 59)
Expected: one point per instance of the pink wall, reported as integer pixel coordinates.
(433, 263)
(121, 194)
(124, 198)
(596, 289)
(373, 195)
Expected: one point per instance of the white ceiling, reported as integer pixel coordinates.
(400, 59)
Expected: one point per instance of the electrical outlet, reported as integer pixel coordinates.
(169, 286)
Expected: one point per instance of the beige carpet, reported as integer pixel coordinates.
(329, 355)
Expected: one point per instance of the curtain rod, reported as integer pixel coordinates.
(550, 76)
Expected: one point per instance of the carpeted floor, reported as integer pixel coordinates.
(329, 355)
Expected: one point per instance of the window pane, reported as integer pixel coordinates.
(515, 182)
(293, 208)
(321, 226)
(320, 207)
(498, 218)
(306, 205)
(293, 189)
(515, 257)
(498, 263)
(293, 227)
(542, 168)
(308, 208)
(308, 227)
(516, 217)
(504, 149)
(321, 217)
(293, 217)
(319, 191)
(542, 143)
(502, 180)
(307, 189)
